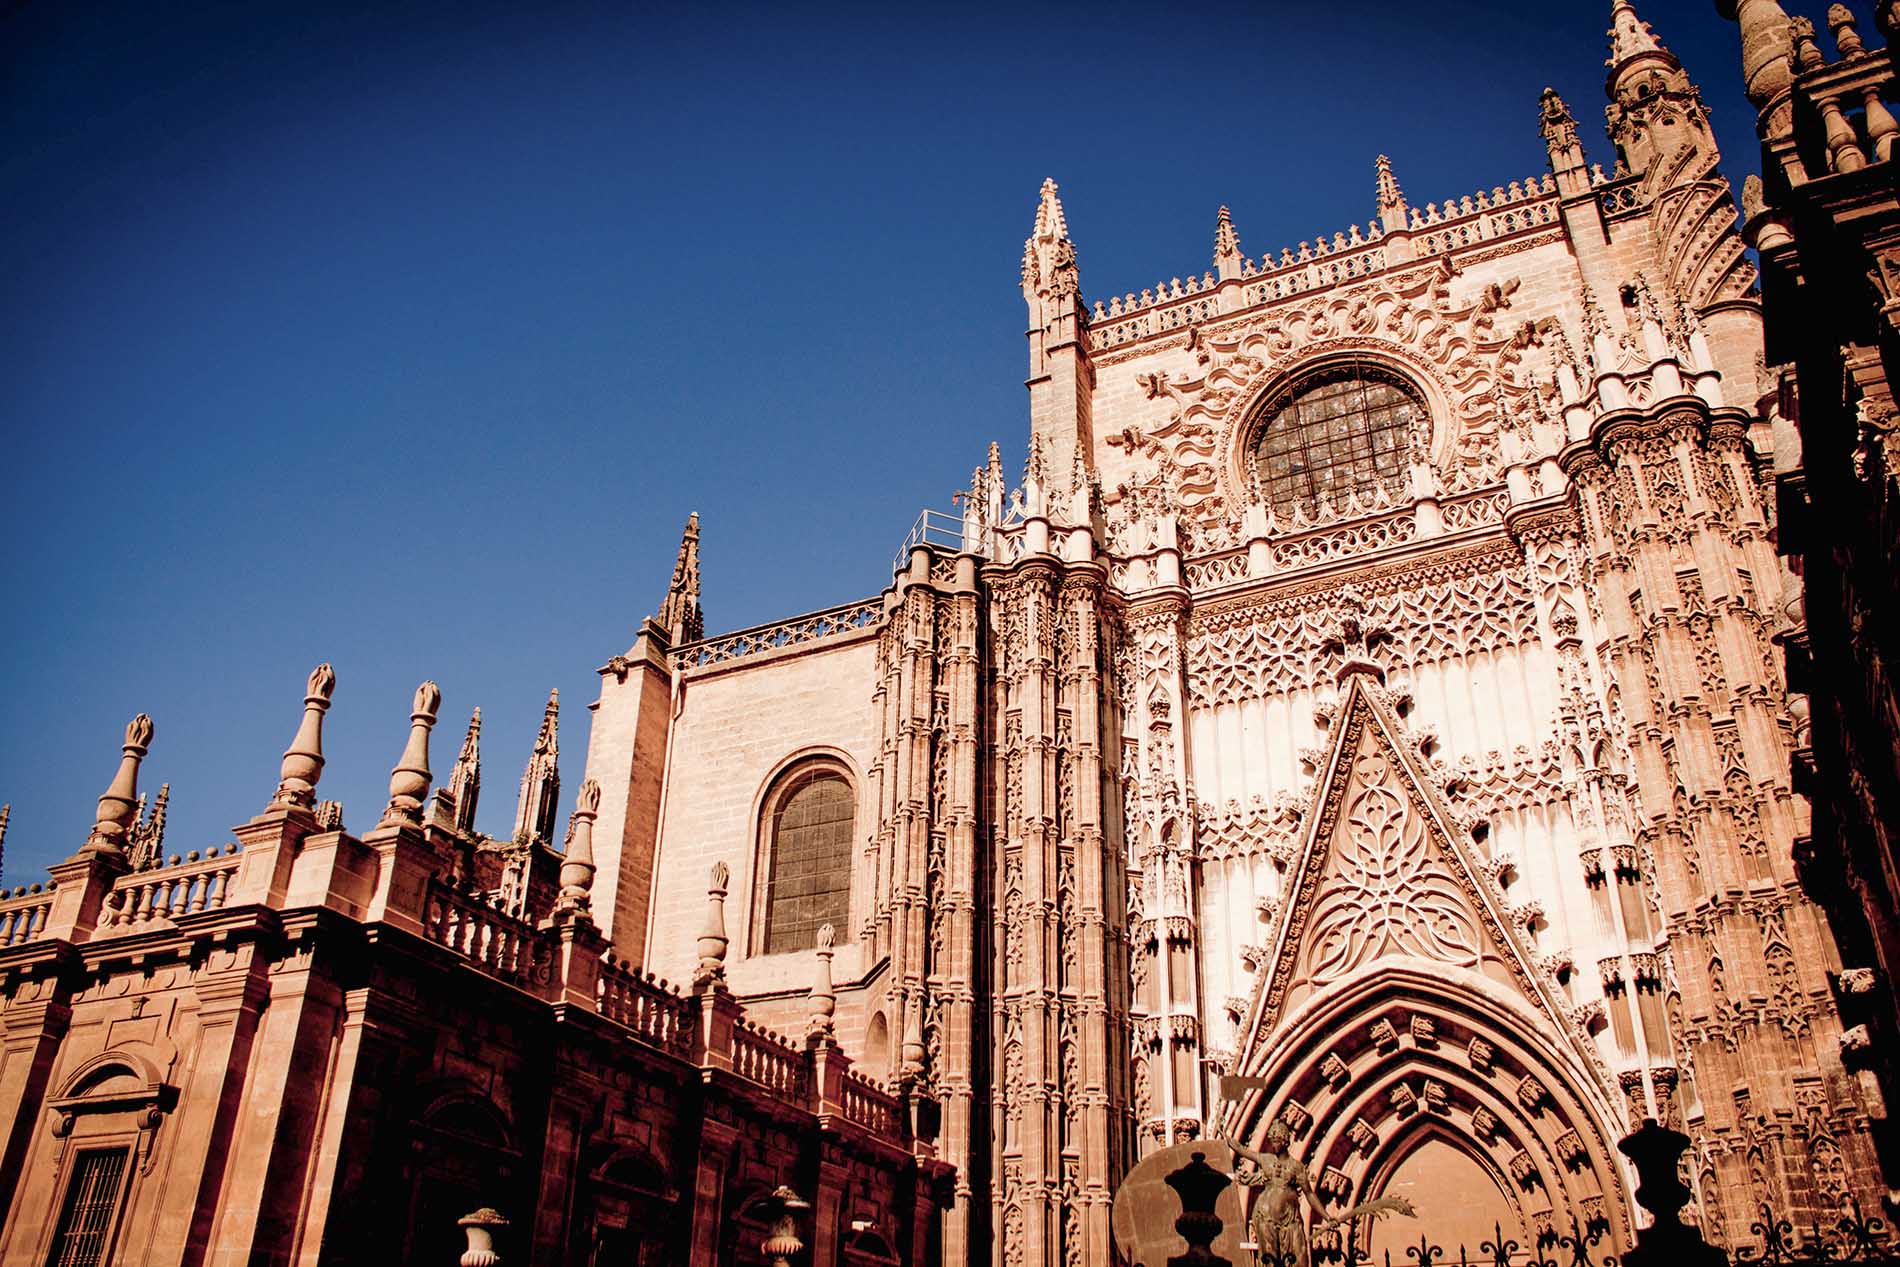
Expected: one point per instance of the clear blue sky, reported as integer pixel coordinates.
(405, 335)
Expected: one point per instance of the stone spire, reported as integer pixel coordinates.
(1654, 110)
(679, 614)
(541, 781)
(6, 812)
(303, 760)
(1226, 246)
(409, 781)
(465, 777)
(1049, 255)
(1391, 198)
(118, 807)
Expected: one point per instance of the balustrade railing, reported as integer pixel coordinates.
(760, 1056)
(646, 1005)
(760, 639)
(23, 916)
(500, 944)
(870, 1105)
(184, 887)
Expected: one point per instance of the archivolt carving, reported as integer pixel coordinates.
(1390, 894)
(1357, 1068)
(1454, 348)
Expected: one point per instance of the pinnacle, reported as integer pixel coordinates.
(1387, 184)
(1226, 239)
(1051, 225)
(679, 612)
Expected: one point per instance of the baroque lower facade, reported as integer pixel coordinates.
(1366, 713)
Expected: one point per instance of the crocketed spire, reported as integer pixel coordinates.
(1390, 197)
(680, 613)
(465, 777)
(1387, 184)
(1630, 36)
(1049, 255)
(541, 781)
(1226, 240)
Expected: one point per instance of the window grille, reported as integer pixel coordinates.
(810, 875)
(92, 1198)
(1340, 430)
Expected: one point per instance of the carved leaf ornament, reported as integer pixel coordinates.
(1391, 894)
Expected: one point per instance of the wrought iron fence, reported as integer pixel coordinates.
(1850, 1239)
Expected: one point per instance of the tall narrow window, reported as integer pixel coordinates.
(1342, 429)
(92, 1199)
(808, 838)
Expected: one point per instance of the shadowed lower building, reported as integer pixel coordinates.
(1369, 690)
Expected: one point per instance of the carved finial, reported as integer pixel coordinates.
(465, 776)
(680, 613)
(1353, 635)
(1805, 52)
(911, 1051)
(541, 781)
(824, 1001)
(409, 781)
(6, 812)
(145, 843)
(303, 760)
(712, 939)
(117, 806)
(1559, 128)
(577, 867)
(1226, 245)
(1840, 20)
(1766, 71)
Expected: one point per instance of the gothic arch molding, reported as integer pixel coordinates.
(1367, 1070)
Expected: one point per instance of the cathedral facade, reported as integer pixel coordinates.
(1363, 715)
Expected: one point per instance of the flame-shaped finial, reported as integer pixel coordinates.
(824, 999)
(409, 781)
(711, 972)
(303, 760)
(118, 806)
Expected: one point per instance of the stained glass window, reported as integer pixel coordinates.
(810, 864)
(1342, 429)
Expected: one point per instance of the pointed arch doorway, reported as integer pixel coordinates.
(1460, 1200)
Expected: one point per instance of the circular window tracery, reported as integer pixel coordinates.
(1339, 430)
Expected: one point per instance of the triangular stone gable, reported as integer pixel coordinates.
(1383, 873)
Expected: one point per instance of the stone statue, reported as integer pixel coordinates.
(1277, 1226)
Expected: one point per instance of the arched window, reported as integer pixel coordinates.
(806, 835)
(1340, 429)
